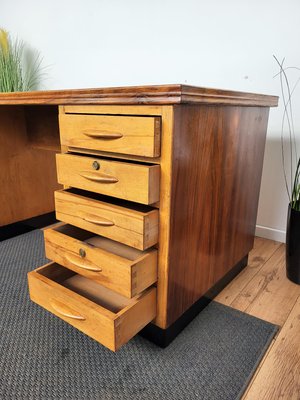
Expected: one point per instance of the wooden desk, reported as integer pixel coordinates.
(193, 157)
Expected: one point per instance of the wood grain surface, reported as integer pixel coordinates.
(263, 250)
(135, 135)
(266, 288)
(42, 127)
(27, 173)
(279, 375)
(50, 287)
(129, 181)
(162, 94)
(133, 226)
(118, 267)
(217, 164)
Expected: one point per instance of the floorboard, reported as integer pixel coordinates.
(263, 290)
(279, 375)
(260, 254)
(269, 295)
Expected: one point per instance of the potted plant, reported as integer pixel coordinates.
(293, 232)
(20, 67)
(291, 176)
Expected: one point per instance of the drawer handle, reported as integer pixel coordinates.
(98, 221)
(102, 134)
(103, 178)
(66, 311)
(78, 263)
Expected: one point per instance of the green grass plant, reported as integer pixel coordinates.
(20, 68)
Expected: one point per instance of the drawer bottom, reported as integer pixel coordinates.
(102, 314)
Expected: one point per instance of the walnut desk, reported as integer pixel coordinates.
(159, 205)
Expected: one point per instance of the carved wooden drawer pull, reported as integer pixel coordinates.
(101, 178)
(93, 133)
(78, 262)
(65, 310)
(97, 220)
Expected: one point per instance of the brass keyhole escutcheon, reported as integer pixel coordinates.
(96, 165)
(82, 253)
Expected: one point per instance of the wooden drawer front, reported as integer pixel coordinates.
(129, 181)
(119, 134)
(130, 226)
(118, 267)
(105, 316)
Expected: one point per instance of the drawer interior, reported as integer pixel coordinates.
(87, 288)
(104, 315)
(109, 158)
(101, 242)
(142, 208)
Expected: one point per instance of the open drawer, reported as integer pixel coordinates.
(107, 317)
(114, 265)
(130, 223)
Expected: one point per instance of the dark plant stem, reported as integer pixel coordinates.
(294, 196)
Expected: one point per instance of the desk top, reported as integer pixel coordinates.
(139, 95)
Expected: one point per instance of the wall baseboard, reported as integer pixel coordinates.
(270, 233)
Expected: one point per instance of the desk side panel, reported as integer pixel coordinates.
(27, 173)
(217, 165)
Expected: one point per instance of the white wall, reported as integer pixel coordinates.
(223, 44)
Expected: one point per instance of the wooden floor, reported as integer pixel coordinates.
(263, 290)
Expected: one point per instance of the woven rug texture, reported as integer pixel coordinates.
(44, 358)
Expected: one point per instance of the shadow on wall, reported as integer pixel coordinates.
(273, 200)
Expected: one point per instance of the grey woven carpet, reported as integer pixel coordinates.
(43, 358)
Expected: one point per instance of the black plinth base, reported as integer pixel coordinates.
(9, 231)
(163, 337)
